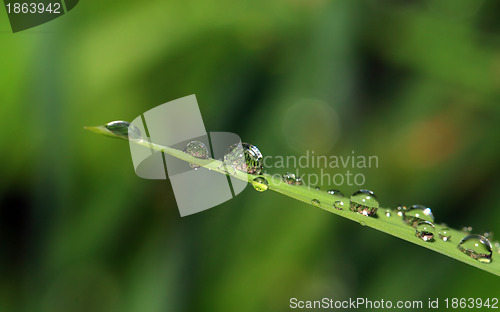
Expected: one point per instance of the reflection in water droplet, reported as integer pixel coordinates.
(244, 157)
(289, 178)
(416, 214)
(335, 192)
(316, 202)
(425, 231)
(387, 213)
(124, 129)
(196, 149)
(401, 209)
(445, 234)
(477, 247)
(260, 184)
(364, 202)
(339, 205)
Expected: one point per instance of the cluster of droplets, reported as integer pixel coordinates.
(247, 158)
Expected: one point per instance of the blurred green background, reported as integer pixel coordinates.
(416, 83)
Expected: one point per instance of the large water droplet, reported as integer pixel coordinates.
(244, 157)
(124, 129)
(339, 205)
(316, 202)
(335, 192)
(364, 202)
(445, 234)
(260, 184)
(416, 214)
(425, 231)
(289, 178)
(196, 149)
(477, 247)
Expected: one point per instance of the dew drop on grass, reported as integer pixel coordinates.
(388, 213)
(335, 192)
(363, 223)
(477, 247)
(289, 178)
(445, 234)
(364, 202)
(339, 205)
(298, 181)
(244, 157)
(416, 214)
(425, 231)
(124, 129)
(316, 202)
(317, 188)
(260, 184)
(401, 209)
(467, 229)
(196, 149)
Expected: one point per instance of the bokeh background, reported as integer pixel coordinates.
(416, 83)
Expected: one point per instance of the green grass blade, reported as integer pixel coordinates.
(391, 225)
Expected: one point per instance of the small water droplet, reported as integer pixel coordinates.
(364, 202)
(316, 202)
(388, 213)
(497, 246)
(416, 214)
(339, 205)
(425, 231)
(445, 234)
(335, 192)
(244, 157)
(260, 184)
(317, 188)
(196, 149)
(488, 235)
(124, 129)
(467, 229)
(298, 181)
(289, 178)
(363, 223)
(477, 247)
(401, 209)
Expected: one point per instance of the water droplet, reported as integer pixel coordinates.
(244, 157)
(425, 231)
(316, 202)
(497, 246)
(477, 247)
(339, 205)
(363, 223)
(401, 209)
(335, 192)
(196, 149)
(364, 202)
(124, 129)
(289, 178)
(317, 188)
(467, 229)
(445, 234)
(387, 213)
(416, 214)
(488, 235)
(260, 184)
(298, 181)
